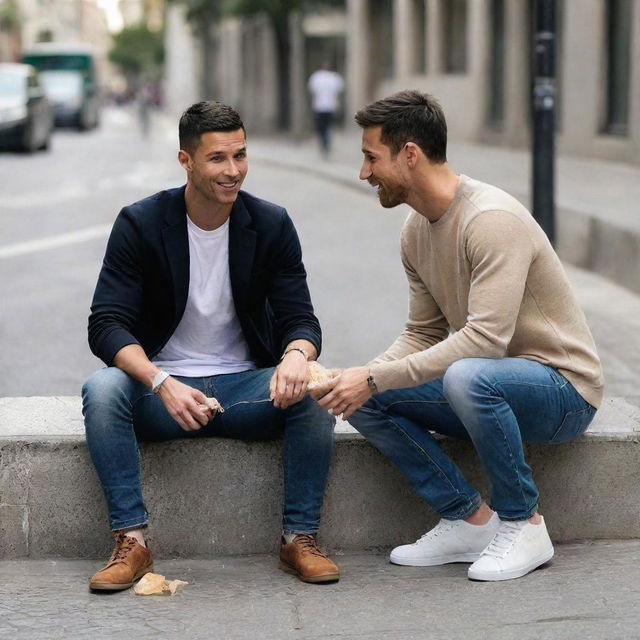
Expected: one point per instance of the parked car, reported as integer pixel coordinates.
(69, 75)
(72, 105)
(26, 116)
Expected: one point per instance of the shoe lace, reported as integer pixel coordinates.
(124, 546)
(504, 539)
(441, 528)
(307, 544)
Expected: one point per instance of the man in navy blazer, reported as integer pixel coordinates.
(203, 317)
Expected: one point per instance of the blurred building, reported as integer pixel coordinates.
(474, 55)
(9, 31)
(63, 21)
(149, 12)
(67, 21)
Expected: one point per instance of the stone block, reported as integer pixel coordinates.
(14, 531)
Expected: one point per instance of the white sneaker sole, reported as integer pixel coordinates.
(495, 576)
(433, 561)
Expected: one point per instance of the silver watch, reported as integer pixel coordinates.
(157, 381)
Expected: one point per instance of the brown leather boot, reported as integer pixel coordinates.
(302, 557)
(129, 561)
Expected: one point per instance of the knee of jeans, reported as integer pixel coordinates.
(462, 378)
(315, 412)
(104, 383)
(365, 412)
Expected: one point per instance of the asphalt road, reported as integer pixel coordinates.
(56, 211)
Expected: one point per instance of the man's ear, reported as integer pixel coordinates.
(185, 160)
(412, 153)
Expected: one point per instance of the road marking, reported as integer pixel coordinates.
(54, 242)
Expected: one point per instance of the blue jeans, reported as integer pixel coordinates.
(497, 404)
(119, 411)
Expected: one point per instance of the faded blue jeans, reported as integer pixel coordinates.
(495, 403)
(119, 411)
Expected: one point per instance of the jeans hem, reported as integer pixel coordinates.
(129, 525)
(522, 515)
(476, 502)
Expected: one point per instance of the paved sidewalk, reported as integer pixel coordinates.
(608, 190)
(589, 591)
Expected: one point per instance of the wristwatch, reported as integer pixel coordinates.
(371, 383)
(157, 381)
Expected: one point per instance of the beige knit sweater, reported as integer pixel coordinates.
(484, 282)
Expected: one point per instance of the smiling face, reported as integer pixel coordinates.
(380, 170)
(217, 167)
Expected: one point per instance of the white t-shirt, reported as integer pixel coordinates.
(209, 340)
(325, 87)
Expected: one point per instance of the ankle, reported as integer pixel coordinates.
(481, 516)
(138, 535)
(536, 518)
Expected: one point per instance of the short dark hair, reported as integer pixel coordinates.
(409, 116)
(206, 116)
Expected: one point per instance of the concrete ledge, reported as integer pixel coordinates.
(214, 497)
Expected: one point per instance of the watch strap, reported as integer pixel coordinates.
(157, 381)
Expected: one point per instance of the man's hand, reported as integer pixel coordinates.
(321, 389)
(181, 401)
(289, 381)
(350, 391)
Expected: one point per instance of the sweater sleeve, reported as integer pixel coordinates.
(426, 325)
(500, 251)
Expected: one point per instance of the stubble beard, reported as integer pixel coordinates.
(390, 198)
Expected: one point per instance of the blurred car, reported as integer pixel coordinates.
(73, 106)
(26, 117)
(69, 75)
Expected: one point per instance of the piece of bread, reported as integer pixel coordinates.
(318, 375)
(213, 404)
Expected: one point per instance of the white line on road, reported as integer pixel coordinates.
(54, 242)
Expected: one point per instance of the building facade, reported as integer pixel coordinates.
(474, 55)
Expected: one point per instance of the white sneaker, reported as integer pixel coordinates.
(448, 541)
(517, 548)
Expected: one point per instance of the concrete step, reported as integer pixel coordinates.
(215, 497)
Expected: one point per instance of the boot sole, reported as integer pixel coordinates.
(119, 586)
(327, 577)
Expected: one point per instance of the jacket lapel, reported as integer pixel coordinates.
(176, 243)
(242, 245)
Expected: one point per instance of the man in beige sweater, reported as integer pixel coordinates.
(495, 349)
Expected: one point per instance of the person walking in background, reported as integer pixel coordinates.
(496, 349)
(202, 293)
(325, 87)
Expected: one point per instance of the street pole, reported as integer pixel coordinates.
(544, 88)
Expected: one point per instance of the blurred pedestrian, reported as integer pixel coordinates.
(496, 349)
(325, 87)
(145, 103)
(203, 291)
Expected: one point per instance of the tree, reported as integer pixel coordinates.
(278, 13)
(203, 14)
(138, 51)
(9, 18)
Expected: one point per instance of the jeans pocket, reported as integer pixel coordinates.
(575, 423)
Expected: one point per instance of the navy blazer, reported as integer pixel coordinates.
(144, 281)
